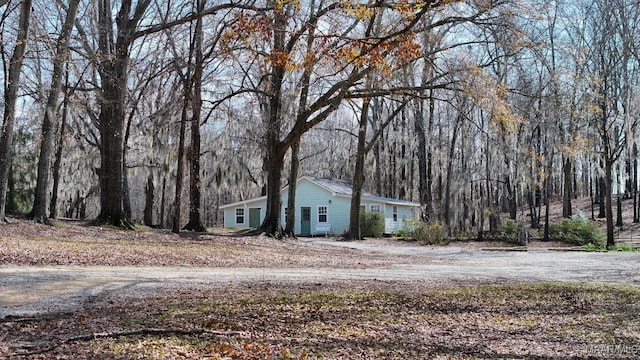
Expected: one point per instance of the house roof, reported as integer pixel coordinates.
(337, 187)
(342, 187)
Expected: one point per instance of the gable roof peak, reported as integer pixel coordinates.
(335, 186)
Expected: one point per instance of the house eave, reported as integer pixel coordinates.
(377, 199)
(243, 202)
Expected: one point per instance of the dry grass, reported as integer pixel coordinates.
(71, 243)
(348, 321)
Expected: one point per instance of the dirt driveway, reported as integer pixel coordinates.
(31, 289)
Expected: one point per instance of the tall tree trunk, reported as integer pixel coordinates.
(568, 183)
(290, 221)
(425, 158)
(126, 195)
(592, 197)
(39, 210)
(419, 129)
(163, 202)
(272, 224)
(111, 145)
(535, 220)
(177, 202)
(547, 195)
(634, 184)
(58, 156)
(447, 195)
(378, 169)
(148, 203)
(10, 100)
(608, 170)
(114, 55)
(195, 179)
(619, 222)
(358, 175)
(601, 195)
(275, 148)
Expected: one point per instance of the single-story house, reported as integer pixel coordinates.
(322, 208)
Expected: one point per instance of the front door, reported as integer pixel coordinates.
(305, 221)
(254, 218)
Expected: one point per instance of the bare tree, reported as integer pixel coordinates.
(288, 27)
(39, 211)
(12, 83)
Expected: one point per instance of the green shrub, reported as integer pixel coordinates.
(508, 232)
(577, 231)
(371, 224)
(416, 229)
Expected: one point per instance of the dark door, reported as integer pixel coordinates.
(254, 217)
(305, 221)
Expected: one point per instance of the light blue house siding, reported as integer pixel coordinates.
(236, 215)
(322, 207)
(314, 197)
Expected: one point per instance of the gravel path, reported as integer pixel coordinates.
(25, 289)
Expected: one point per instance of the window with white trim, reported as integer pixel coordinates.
(375, 208)
(395, 213)
(240, 216)
(323, 213)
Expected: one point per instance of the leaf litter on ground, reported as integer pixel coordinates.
(353, 319)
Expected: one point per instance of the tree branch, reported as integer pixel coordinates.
(147, 331)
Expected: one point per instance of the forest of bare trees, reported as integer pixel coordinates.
(158, 112)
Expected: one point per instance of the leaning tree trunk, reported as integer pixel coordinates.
(39, 211)
(10, 99)
(295, 147)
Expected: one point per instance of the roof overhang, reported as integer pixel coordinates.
(243, 202)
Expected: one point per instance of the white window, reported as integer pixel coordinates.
(322, 214)
(239, 216)
(375, 208)
(395, 213)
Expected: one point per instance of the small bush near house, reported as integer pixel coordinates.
(371, 224)
(577, 231)
(425, 233)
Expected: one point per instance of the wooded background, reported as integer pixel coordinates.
(158, 112)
